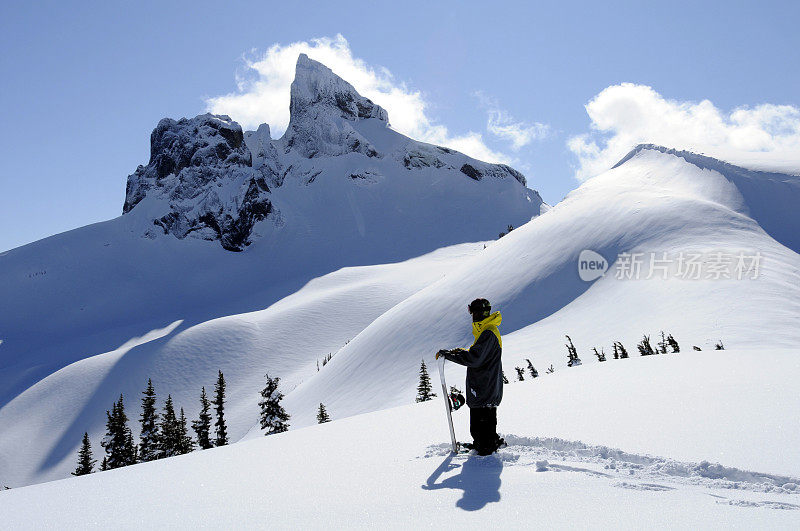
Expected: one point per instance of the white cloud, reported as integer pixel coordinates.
(501, 124)
(263, 95)
(766, 136)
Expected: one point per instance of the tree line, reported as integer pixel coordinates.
(166, 434)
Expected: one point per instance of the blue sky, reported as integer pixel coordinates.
(84, 83)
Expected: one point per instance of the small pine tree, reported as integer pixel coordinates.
(219, 405)
(424, 389)
(104, 464)
(662, 345)
(170, 431)
(273, 416)
(509, 228)
(601, 356)
(673, 344)
(520, 374)
(85, 461)
(202, 426)
(719, 346)
(532, 369)
(322, 414)
(623, 354)
(616, 351)
(572, 354)
(149, 438)
(644, 346)
(118, 441)
(185, 442)
(505, 380)
(550, 369)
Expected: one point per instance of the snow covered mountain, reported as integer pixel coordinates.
(94, 308)
(207, 179)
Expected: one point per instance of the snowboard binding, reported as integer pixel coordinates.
(456, 400)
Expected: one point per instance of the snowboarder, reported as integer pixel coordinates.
(484, 375)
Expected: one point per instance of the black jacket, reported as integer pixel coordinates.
(484, 370)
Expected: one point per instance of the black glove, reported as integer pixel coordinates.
(442, 353)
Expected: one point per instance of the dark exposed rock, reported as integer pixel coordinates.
(471, 172)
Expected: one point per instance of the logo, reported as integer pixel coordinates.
(591, 265)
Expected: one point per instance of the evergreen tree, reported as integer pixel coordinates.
(424, 389)
(322, 414)
(550, 369)
(616, 351)
(505, 380)
(532, 369)
(185, 442)
(662, 345)
(219, 405)
(85, 461)
(104, 464)
(202, 426)
(572, 354)
(520, 374)
(170, 431)
(673, 344)
(622, 352)
(719, 346)
(644, 346)
(601, 356)
(149, 440)
(118, 441)
(273, 416)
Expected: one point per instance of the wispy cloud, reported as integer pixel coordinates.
(262, 94)
(765, 136)
(502, 125)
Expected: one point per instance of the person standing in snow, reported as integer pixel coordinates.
(484, 375)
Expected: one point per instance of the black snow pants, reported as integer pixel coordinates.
(483, 428)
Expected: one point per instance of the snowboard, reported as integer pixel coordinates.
(448, 407)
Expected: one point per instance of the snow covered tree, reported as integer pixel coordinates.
(601, 356)
(149, 437)
(424, 389)
(532, 369)
(520, 374)
(104, 464)
(185, 442)
(85, 461)
(719, 346)
(572, 354)
(202, 426)
(170, 436)
(273, 416)
(219, 405)
(322, 414)
(550, 369)
(644, 346)
(673, 344)
(616, 351)
(118, 441)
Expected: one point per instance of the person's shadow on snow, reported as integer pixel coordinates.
(479, 479)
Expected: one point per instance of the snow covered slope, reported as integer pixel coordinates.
(94, 311)
(656, 202)
(673, 418)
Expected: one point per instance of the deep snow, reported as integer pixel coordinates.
(391, 469)
(378, 321)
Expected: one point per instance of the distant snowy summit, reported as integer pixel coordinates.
(208, 179)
